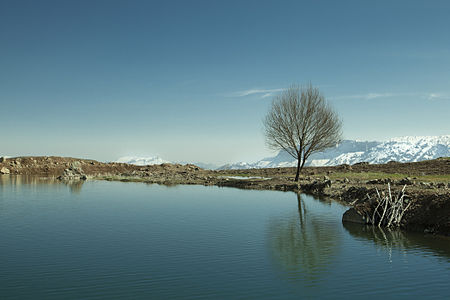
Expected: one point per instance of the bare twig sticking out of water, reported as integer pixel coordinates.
(390, 209)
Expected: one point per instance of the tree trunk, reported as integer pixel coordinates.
(298, 169)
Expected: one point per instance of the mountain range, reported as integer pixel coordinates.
(402, 149)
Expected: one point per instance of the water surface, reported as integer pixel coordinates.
(106, 240)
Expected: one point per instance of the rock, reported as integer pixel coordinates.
(4, 170)
(352, 216)
(379, 181)
(440, 185)
(73, 173)
(317, 187)
(2, 159)
(346, 180)
(326, 178)
(406, 181)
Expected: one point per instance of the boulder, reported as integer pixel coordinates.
(4, 170)
(406, 181)
(73, 173)
(2, 159)
(352, 216)
(316, 187)
(380, 181)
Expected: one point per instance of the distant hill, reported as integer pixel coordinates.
(156, 160)
(142, 161)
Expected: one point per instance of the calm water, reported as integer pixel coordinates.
(131, 240)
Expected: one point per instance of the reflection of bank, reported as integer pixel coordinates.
(304, 245)
(397, 240)
(16, 181)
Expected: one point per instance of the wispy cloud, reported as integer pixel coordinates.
(264, 93)
(374, 96)
(369, 96)
(438, 96)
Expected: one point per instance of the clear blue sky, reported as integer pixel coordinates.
(192, 80)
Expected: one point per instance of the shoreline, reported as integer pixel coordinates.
(427, 182)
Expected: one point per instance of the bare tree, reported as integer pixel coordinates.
(301, 122)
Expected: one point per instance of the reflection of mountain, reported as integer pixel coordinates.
(405, 241)
(304, 245)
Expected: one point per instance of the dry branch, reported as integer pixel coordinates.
(389, 209)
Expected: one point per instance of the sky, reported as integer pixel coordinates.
(192, 80)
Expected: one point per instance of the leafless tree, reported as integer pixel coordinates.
(301, 122)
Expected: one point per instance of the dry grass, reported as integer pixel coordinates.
(394, 176)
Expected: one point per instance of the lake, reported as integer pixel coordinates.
(107, 240)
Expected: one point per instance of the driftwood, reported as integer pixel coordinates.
(389, 209)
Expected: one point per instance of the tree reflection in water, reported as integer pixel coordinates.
(304, 245)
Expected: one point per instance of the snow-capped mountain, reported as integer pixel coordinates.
(283, 159)
(142, 161)
(403, 149)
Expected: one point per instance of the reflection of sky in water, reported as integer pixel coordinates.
(132, 240)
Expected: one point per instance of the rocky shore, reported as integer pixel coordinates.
(427, 183)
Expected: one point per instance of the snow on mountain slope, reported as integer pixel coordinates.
(402, 149)
(142, 161)
(283, 159)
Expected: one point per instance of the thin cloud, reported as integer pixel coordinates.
(369, 96)
(263, 92)
(374, 96)
(437, 96)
